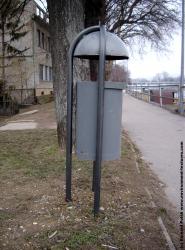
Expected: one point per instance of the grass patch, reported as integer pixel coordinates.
(79, 240)
(5, 215)
(32, 153)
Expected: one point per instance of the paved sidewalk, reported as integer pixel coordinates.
(158, 134)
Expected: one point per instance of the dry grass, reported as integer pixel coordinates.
(33, 211)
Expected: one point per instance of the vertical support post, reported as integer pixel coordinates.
(143, 93)
(148, 93)
(100, 111)
(69, 126)
(160, 94)
(140, 92)
(181, 106)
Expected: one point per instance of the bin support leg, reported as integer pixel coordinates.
(100, 110)
(93, 180)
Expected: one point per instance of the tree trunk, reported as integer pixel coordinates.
(66, 20)
(3, 62)
(94, 14)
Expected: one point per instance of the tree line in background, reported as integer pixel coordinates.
(159, 77)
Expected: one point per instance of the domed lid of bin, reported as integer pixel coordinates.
(88, 47)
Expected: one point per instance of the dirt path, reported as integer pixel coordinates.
(37, 116)
(158, 134)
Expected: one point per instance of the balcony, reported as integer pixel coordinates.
(40, 13)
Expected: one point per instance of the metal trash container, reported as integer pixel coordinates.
(87, 95)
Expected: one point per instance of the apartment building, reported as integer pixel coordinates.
(34, 69)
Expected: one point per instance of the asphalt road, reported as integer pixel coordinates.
(158, 134)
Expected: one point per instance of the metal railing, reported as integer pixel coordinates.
(165, 95)
(42, 14)
(22, 96)
(8, 108)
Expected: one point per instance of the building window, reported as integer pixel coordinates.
(39, 38)
(41, 72)
(50, 74)
(45, 73)
(49, 44)
(43, 41)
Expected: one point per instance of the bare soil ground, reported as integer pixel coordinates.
(34, 214)
(45, 117)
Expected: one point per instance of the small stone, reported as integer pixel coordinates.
(52, 235)
(102, 209)
(36, 235)
(70, 207)
(62, 217)
(78, 219)
(161, 184)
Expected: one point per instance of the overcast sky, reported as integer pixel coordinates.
(154, 62)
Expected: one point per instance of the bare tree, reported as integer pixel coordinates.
(119, 74)
(146, 20)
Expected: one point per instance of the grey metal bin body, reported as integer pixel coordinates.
(87, 119)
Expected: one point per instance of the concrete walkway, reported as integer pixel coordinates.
(158, 134)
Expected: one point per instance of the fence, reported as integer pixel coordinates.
(29, 96)
(165, 95)
(15, 98)
(23, 96)
(8, 108)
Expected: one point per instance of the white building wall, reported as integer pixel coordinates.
(24, 71)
